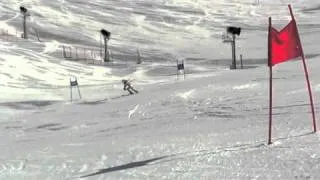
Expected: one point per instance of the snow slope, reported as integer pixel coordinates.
(212, 125)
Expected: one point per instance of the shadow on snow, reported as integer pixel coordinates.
(125, 166)
(183, 155)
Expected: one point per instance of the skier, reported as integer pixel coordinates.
(127, 86)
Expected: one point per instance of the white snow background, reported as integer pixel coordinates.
(212, 125)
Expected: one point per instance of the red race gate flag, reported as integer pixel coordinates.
(283, 46)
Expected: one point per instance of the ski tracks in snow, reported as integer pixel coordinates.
(132, 112)
(12, 167)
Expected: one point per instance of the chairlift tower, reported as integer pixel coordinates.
(139, 60)
(25, 14)
(106, 36)
(233, 31)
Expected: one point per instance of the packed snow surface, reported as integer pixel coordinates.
(210, 124)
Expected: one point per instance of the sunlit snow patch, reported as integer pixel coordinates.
(317, 87)
(52, 46)
(245, 86)
(296, 91)
(186, 94)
